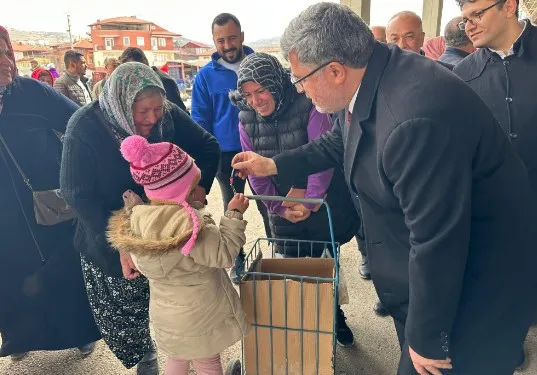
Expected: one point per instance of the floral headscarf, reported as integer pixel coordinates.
(267, 71)
(118, 96)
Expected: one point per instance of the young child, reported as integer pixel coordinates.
(195, 311)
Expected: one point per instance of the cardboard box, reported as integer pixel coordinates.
(302, 344)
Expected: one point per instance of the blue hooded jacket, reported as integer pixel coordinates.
(211, 107)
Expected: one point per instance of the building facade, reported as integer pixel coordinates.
(111, 36)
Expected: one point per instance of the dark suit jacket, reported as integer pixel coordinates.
(448, 211)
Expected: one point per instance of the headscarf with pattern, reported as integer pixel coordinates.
(118, 96)
(267, 71)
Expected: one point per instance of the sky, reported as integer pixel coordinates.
(191, 18)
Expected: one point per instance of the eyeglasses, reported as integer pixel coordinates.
(297, 82)
(476, 17)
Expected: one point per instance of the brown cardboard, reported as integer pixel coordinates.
(308, 353)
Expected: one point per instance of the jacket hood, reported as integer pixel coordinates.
(121, 237)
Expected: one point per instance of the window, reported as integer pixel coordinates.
(161, 42)
(109, 43)
(140, 41)
(126, 41)
(154, 44)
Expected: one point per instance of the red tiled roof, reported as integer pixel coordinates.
(81, 44)
(84, 44)
(19, 47)
(132, 20)
(195, 44)
(135, 21)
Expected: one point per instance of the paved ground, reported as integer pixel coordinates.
(376, 351)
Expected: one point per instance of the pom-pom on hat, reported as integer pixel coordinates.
(166, 172)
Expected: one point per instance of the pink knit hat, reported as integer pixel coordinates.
(166, 172)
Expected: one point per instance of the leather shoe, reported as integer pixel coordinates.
(148, 365)
(87, 349)
(18, 356)
(380, 310)
(364, 268)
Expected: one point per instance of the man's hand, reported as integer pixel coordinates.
(127, 266)
(199, 194)
(426, 366)
(249, 162)
(296, 213)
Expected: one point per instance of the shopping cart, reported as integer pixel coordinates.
(292, 304)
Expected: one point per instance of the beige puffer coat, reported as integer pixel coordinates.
(194, 309)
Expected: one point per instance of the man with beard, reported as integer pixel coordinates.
(212, 109)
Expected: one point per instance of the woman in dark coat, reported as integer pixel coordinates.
(94, 177)
(43, 302)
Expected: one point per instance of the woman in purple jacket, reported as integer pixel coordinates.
(274, 118)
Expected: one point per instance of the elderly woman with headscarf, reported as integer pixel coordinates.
(274, 118)
(94, 177)
(43, 303)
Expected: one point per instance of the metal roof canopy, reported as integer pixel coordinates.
(431, 14)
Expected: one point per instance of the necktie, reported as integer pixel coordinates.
(349, 116)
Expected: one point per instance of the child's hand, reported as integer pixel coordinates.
(239, 203)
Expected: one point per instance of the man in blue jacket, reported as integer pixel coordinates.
(212, 109)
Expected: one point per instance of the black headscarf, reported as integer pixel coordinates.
(267, 71)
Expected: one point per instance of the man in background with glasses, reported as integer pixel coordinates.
(504, 74)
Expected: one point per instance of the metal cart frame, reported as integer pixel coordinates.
(252, 259)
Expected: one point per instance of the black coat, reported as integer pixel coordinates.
(94, 175)
(453, 56)
(448, 211)
(170, 86)
(509, 88)
(54, 314)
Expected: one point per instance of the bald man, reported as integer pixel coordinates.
(379, 33)
(405, 29)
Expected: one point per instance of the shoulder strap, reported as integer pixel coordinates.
(24, 177)
(43, 260)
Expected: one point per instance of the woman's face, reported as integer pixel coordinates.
(259, 98)
(147, 112)
(7, 66)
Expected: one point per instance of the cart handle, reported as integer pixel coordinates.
(314, 201)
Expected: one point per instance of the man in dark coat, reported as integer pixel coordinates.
(446, 203)
(172, 91)
(504, 73)
(43, 302)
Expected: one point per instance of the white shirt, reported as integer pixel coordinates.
(511, 51)
(353, 100)
(85, 90)
(234, 67)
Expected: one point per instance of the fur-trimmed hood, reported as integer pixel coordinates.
(151, 229)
